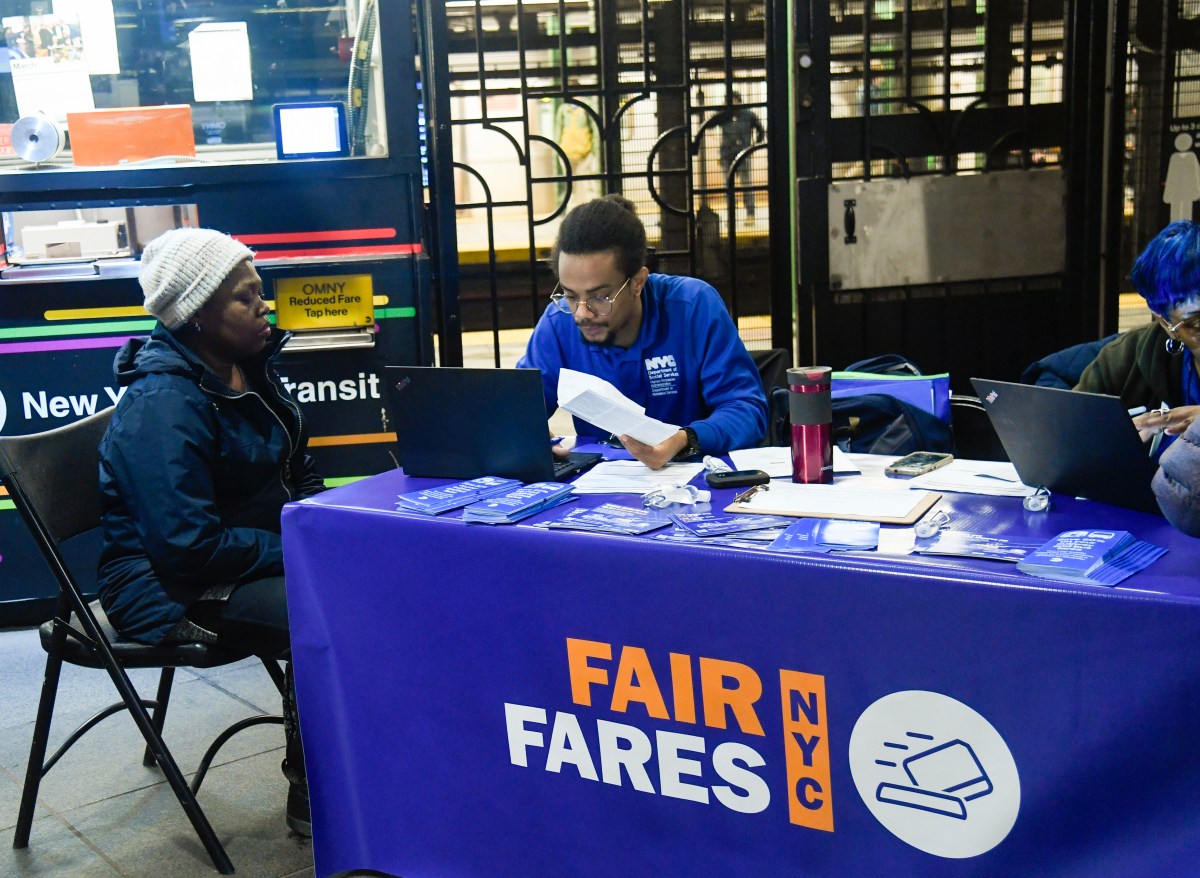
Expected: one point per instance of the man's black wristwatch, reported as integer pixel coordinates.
(692, 448)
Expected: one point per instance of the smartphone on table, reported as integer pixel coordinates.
(918, 463)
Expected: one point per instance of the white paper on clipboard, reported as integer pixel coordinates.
(835, 501)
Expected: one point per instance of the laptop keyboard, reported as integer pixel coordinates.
(574, 462)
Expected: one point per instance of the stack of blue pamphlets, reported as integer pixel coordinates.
(521, 502)
(1104, 557)
(611, 518)
(715, 524)
(432, 501)
(827, 535)
(746, 539)
(965, 545)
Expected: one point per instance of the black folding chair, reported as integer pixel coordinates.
(53, 479)
(772, 365)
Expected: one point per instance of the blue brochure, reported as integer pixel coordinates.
(611, 518)
(1103, 557)
(965, 545)
(827, 535)
(518, 503)
(713, 524)
(747, 539)
(431, 501)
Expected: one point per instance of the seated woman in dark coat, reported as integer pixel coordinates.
(204, 448)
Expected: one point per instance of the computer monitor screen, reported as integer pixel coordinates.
(311, 130)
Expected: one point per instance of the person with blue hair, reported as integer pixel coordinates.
(1154, 367)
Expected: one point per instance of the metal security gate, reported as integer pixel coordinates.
(947, 171)
(1161, 113)
(534, 107)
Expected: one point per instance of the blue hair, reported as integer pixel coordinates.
(1167, 272)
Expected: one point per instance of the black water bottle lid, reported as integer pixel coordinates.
(809, 401)
(809, 376)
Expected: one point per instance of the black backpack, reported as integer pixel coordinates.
(886, 364)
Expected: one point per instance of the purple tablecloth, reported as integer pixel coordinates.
(512, 701)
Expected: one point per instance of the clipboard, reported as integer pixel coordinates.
(760, 503)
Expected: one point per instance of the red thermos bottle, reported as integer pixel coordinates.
(811, 412)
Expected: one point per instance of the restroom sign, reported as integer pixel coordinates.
(331, 302)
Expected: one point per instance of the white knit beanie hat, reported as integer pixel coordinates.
(182, 268)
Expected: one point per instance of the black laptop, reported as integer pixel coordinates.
(1082, 444)
(454, 423)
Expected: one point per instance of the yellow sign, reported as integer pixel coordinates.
(335, 302)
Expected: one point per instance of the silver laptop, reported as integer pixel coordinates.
(454, 423)
(1082, 444)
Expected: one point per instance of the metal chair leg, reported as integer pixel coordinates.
(41, 736)
(159, 716)
(170, 769)
(275, 672)
(211, 752)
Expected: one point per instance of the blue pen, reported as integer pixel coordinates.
(556, 440)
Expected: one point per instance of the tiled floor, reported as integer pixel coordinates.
(101, 814)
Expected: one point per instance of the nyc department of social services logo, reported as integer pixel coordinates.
(935, 773)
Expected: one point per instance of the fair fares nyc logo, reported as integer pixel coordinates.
(720, 698)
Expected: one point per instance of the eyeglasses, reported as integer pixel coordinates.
(1188, 325)
(600, 306)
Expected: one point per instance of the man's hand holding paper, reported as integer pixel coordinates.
(596, 401)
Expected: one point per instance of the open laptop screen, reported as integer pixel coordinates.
(457, 423)
(1082, 444)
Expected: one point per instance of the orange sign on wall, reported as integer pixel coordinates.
(130, 134)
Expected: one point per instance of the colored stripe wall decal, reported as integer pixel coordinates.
(350, 439)
(133, 311)
(126, 326)
(343, 480)
(93, 313)
(7, 504)
(307, 237)
(78, 344)
(372, 250)
(70, 344)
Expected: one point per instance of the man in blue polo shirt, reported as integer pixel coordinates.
(667, 343)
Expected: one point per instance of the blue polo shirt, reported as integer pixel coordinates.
(687, 366)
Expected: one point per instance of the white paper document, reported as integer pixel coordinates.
(98, 32)
(996, 478)
(596, 401)
(834, 500)
(776, 460)
(633, 477)
(220, 54)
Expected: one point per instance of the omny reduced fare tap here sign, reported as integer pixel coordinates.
(332, 302)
